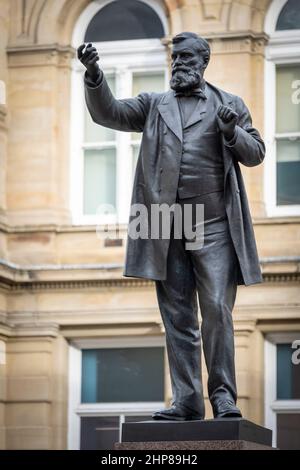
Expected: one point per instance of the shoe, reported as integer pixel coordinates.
(176, 413)
(226, 409)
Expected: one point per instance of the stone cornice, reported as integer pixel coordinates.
(227, 35)
(54, 228)
(5, 228)
(77, 285)
(40, 55)
(281, 268)
(5, 331)
(47, 322)
(36, 48)
(29, 329)
(281, 277)
(60, 55)
(232, 42)
(15, 277)
(26, 326)
(276, 220)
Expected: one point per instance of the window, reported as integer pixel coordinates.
(112, 382)
(99, 184)
(287, 136)
(289, 17)
(282, 109)
(132, 19)
(282, 389)
(122, 375)
(288, 374)
(127, 34)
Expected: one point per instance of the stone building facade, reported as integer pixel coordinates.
(65, 307)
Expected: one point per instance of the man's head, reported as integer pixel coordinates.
(190, 57)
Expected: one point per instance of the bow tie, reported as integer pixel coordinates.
(187, 93)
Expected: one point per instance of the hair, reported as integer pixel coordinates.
(199, 43)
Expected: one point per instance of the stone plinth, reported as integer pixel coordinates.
(192, 445)
(212, 434)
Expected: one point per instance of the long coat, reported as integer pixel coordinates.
(157, 115)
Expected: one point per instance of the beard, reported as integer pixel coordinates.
(185, 78)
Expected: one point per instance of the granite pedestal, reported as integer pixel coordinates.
(211, 434)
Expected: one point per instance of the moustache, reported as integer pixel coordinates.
(182, 68)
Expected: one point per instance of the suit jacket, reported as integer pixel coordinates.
(157, 115)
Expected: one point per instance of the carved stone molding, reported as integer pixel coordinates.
(40, 55)
(49, 330)
(14, 277)
(212, 11)
(77, 285)
(58, 228)
(283, 277)
(250, 43)
(3, 116)
(232, 42)
(29, 330)
(42, 21)
(27, 14)
(14, 286)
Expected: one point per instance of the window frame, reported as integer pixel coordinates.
(76, 409)
(131, 56)
(283, 49)
(273, 406)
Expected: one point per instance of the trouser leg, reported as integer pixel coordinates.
(215, 268)
(177, 300)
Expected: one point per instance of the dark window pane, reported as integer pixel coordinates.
(89, 376)
(124, 19)
(288, 181)
(122, 375)
(288, 374)
(99, 433)
(288, 431)
(289, 17)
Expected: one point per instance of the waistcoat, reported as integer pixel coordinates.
(201, 169)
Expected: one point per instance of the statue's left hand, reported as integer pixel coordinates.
(227, 120)
(88, 56)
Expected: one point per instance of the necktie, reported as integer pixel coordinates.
(199, 93)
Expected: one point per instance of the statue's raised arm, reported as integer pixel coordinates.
(123, 115)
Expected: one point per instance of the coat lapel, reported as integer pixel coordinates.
(198, 113)
(227, 100)
(228, 161)
(170, 113)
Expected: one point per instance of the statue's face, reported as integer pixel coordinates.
(188, 66)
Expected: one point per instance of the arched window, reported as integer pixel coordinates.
(127, 34)
(289, 17)
(282, 108)
(122, 20)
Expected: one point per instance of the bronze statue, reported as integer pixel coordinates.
(194, 138)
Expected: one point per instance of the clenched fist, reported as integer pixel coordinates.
(227, 120)
(89, 58)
